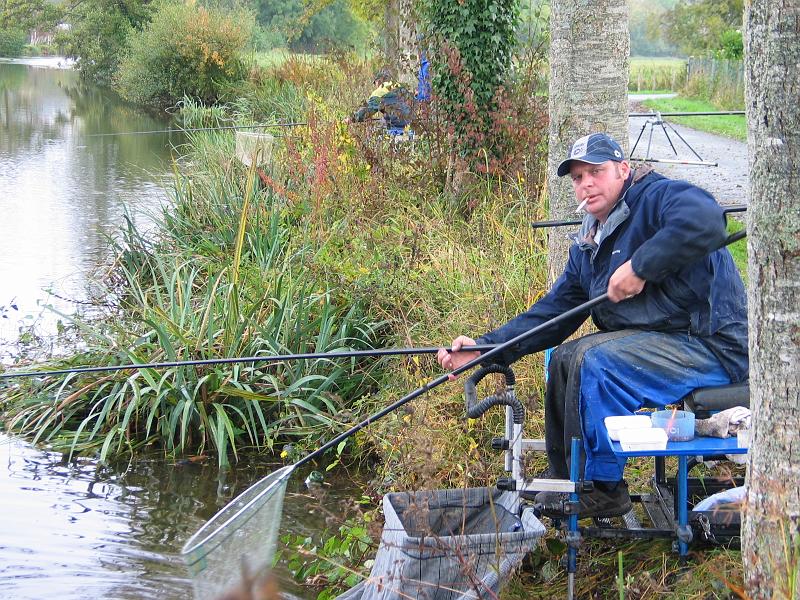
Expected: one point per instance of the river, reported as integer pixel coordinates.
(65, 185)
(76, 529)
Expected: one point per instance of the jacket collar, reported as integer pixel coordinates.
(617, 216)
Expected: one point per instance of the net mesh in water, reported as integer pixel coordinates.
(448, 545)
(240, 538)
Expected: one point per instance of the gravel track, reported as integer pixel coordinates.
(727, 181)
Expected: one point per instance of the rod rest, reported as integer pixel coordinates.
(707, 400)
(476, 409)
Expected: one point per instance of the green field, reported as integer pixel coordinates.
(657, 61)
(277, 56)
(656, 74)
(732, 126)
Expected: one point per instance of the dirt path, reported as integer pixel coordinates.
(727, 181)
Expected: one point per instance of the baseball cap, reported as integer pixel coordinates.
(595, 148)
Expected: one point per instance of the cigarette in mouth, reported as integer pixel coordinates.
(582, 205)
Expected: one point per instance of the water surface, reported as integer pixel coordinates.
(72, 530)
(76, 529)
(65, 185)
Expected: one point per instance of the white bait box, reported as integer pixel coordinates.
(615, 425)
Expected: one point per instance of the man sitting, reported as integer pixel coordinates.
(676, 320)
(389, 98)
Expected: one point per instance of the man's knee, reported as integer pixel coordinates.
(573, 350)
(563, 353)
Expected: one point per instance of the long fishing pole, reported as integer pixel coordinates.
(305, 124)
(585, 307)
(191, 129)
(246, 359)
(688, 114)
(582, 308)
(542, 224)
(222, 128)
(304, 356)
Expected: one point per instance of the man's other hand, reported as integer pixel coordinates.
(454, 359)
(624, 283)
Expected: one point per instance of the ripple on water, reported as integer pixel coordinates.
(69, 533)
(76, 530)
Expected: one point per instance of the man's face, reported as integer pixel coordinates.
(600, 184)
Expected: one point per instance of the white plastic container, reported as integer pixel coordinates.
(616, 424)
(636, 440)
(743, 438)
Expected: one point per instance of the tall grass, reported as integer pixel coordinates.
(656, 74)
(720, 82)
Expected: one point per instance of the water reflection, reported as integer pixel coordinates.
(71, 530)
(64, 187)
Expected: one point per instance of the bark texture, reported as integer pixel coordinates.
(589, 65)
(400, 33)
(770, 536)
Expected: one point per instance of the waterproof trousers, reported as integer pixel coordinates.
(617, 373)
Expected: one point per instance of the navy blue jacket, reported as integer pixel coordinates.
(668, 229)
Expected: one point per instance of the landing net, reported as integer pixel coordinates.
(239, 540)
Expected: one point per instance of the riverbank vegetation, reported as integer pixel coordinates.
(184, 51)
(343, 240)
(347, 241)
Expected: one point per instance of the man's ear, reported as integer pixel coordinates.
(624, 169)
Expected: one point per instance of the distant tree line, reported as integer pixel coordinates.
(702, 28)
(157, 51)
(304, 27)
(18, 18)
(99, 30)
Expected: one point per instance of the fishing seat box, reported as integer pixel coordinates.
(704, 402)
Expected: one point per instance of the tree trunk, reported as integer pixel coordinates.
(589, 64)
(401, 41)
(771, 516)
(407, 38)
(391, 32)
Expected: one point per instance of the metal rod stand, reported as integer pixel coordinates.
(573, 535)
(658, 121)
